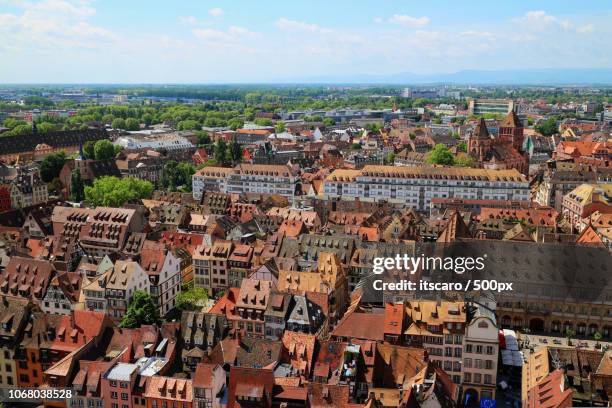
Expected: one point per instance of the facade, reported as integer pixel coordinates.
(495, 106)
(210, 266)
(164, 271)
(480, 351)
(416, 187)
(246, 178)
(209, 386)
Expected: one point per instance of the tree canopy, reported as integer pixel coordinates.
(440, 154)
(177, 175)
(548, 127)
(141, 311)
(110, 191)
(104, 150)
(51, 166)
(189, 299)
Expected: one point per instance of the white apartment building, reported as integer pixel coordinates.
(211, 179)
(112, 291)
(417, 186)
(168, 141)
(480, 354)
(164, 270)
(246, 178)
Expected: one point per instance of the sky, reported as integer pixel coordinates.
(200, 41)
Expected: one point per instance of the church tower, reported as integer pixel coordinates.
(511, 131)
(479, 142)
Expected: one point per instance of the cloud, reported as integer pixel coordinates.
(287, 24)
(188, 20)
(49, 25)
(216, 12)
(541, 21)
(75, 8)
(409, 21)
(232, 34)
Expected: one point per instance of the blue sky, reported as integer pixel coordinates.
(138, 41)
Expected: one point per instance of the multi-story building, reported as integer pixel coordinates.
(480, 352)
(168, 391)
(251, 306)
(585, 200)
(246, 178)
(439, 328)
(15, 315)
(201, 332)
(164, 270)
(27, 190)
(416, 187)
(239, 264)
(329, 279)
(166, 141)
(100, 231)
(210, 266)
(141, 165)
(210, 179)
(114, 289)
(263, 178)
(495, 106)
(209, 384)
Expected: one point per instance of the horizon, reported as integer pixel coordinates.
(86, 41)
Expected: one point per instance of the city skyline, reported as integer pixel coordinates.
(82, 41)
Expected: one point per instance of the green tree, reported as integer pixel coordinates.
(597, 336)
(88, 149)
(235, 123)
(203, 138)
(464, 160)
(110, 191)
(355, 146)
(191, 298)
(189, 124)
(440, 154)
(548, 127)
(280, 127)
(118, 123)
(147, 119)
(132, 124)
(108, 118)
(390, 158)
(462, 147)
(51, 166)
(328, 122)
(45, 127)
(569, 334)
(142, 310)
(104, 150)
(263, 122)
(77, 187)
(177, 175)
(221, 154)
(235, 151)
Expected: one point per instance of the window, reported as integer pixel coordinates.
(467, 363)
(468, 348)
(478, 363)
(477, 378)
(467, 377)
(490, 350)
(124, 396)
(113, 394)
(488, 379)
(489, 364)
(478, 349)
